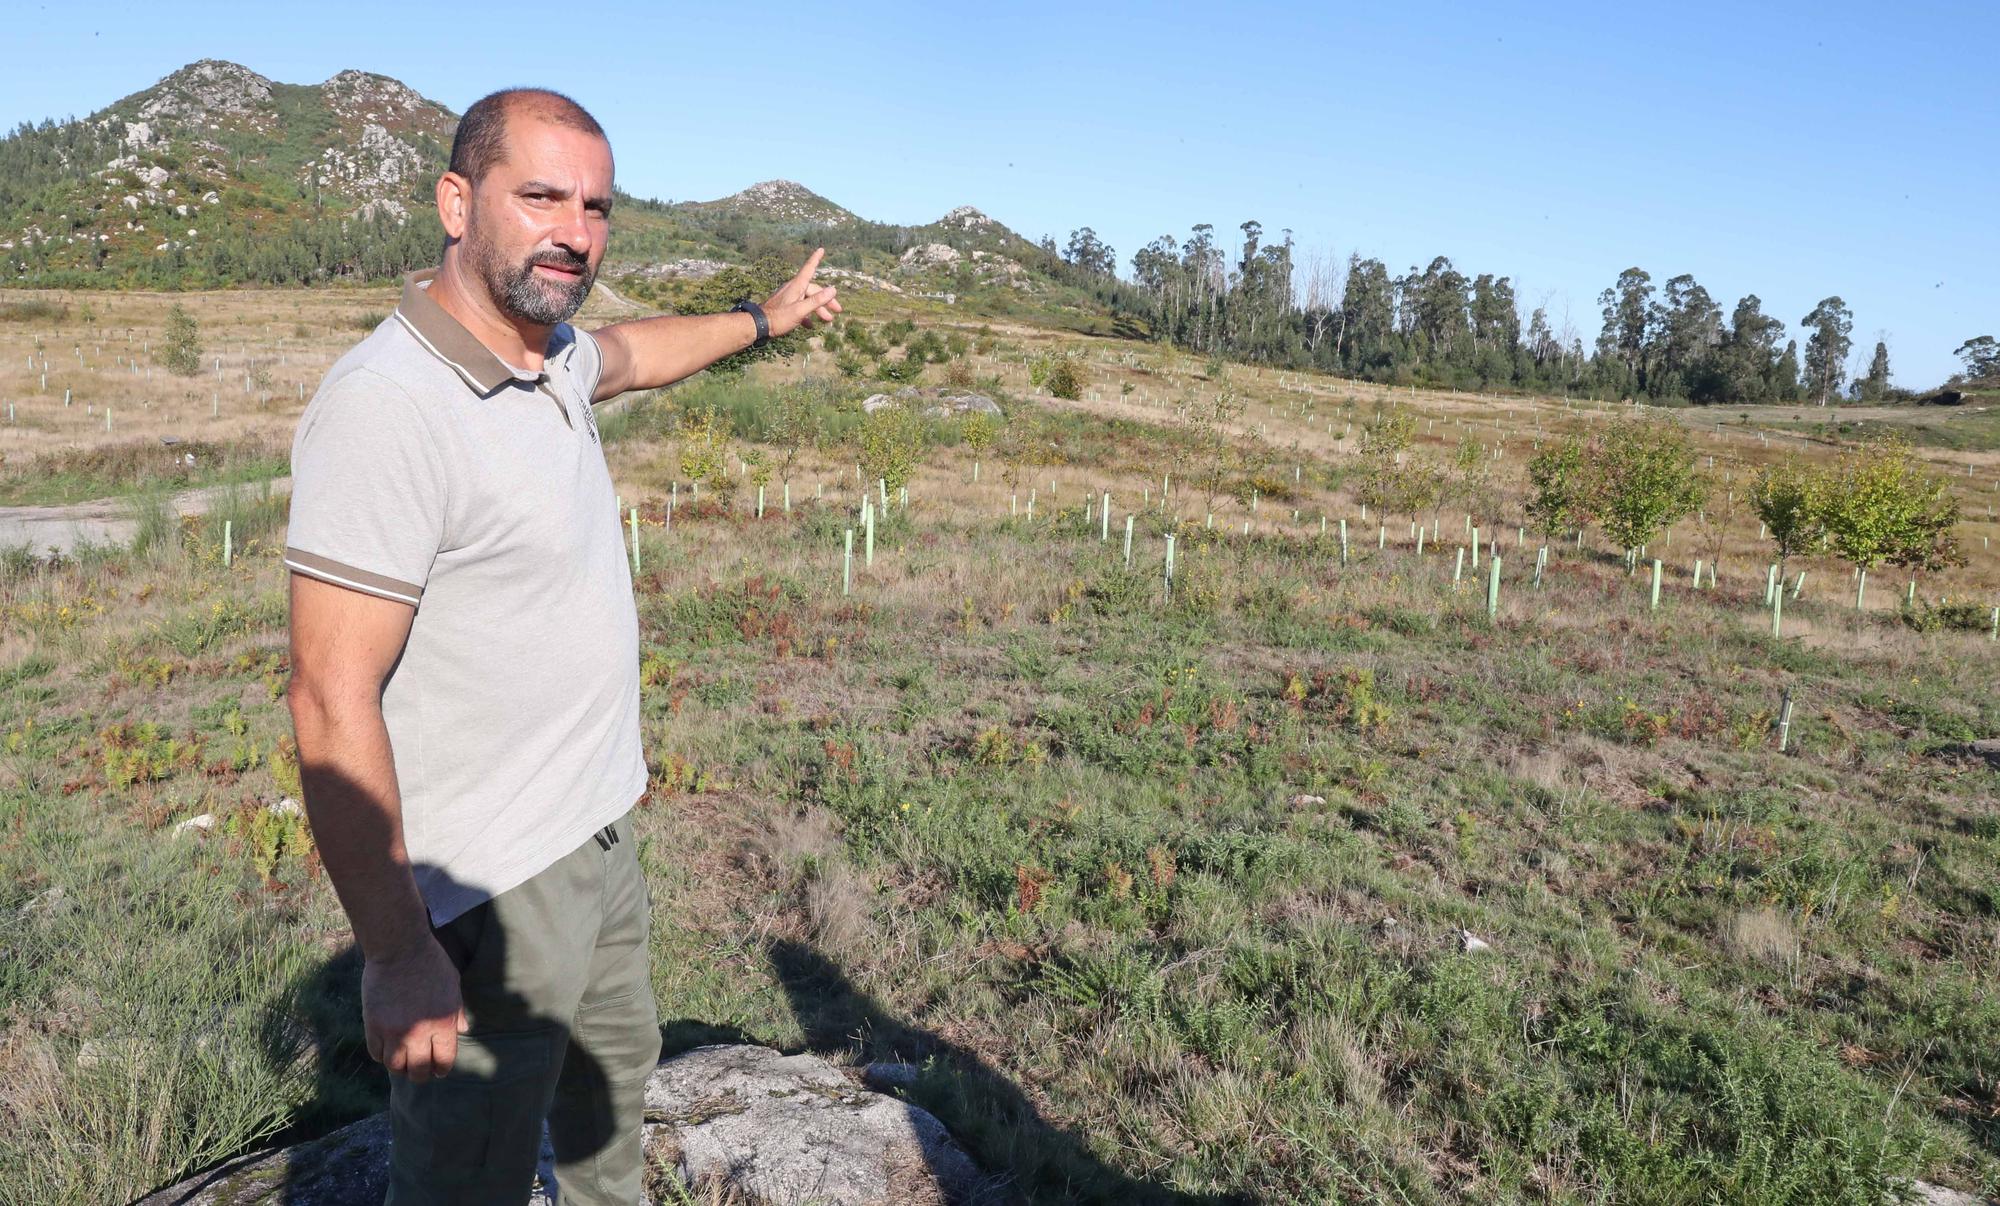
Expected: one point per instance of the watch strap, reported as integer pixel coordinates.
(756, 313)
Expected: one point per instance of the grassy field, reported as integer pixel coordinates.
(1170, 891)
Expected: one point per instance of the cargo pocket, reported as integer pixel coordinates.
(484, 1121)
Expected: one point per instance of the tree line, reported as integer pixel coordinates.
(1440, 326)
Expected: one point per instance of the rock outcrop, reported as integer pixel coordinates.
(771, 1128)
(937, 402)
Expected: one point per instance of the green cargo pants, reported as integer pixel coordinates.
(559, 999)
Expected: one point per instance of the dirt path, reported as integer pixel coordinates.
(100, 521)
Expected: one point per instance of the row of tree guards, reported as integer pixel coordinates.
(1097, 510)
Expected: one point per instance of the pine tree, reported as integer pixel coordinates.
(1875, 386)
(1785, 377)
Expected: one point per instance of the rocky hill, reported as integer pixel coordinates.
(780, 201)
(217, 175)
(194, 176)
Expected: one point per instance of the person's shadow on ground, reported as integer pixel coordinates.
(987, 1112)
(319, 1018)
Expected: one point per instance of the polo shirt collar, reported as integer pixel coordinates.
(447, 339)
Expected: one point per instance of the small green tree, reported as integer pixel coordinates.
(702, 447)
(796, 423)
(1559, 482)
(1880, 505)
(1471, 477)
(757, 464)
(1423, 485)
(891, 445)
(1927, 529)
(1016, 447)
(978, 430)
(1383, 442)
(1925, 523)
(1646, 480)
(180, 351)
(1716, 519)
(1787, 497)
(1210, 452)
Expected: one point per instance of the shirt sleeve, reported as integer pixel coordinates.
(590, 364)
(368, 490)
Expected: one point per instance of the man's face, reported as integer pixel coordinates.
(539, 220)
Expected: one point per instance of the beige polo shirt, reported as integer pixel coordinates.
(429, 471)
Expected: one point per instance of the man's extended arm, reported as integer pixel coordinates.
(344, 644)
(647, 353)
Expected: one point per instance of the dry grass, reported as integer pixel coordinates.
(1765, 936)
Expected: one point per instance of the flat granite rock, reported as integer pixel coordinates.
(794, 1128)
(774, 1128)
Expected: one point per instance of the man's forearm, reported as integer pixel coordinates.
(664, 350)
(356, 813)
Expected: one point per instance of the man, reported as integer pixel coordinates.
(465, 670)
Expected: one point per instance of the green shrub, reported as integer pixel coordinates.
(1064, 380)
(901, 370)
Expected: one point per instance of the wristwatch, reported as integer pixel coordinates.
(756, 313)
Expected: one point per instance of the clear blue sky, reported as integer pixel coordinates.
(1792, 150)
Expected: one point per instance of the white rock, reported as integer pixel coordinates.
(1471, 943)
(1304, 800)
(203, 823)
(286, 807)
(780, 1128)
(1937, 1195)
(772, 1128)
(929, 255)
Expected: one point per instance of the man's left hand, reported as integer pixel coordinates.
(798, 301)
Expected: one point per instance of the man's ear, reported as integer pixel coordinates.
(454, 202)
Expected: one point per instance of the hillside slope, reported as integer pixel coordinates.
(217, 175)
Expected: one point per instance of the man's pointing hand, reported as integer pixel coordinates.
(798, 301)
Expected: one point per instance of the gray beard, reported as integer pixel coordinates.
(521, 294)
